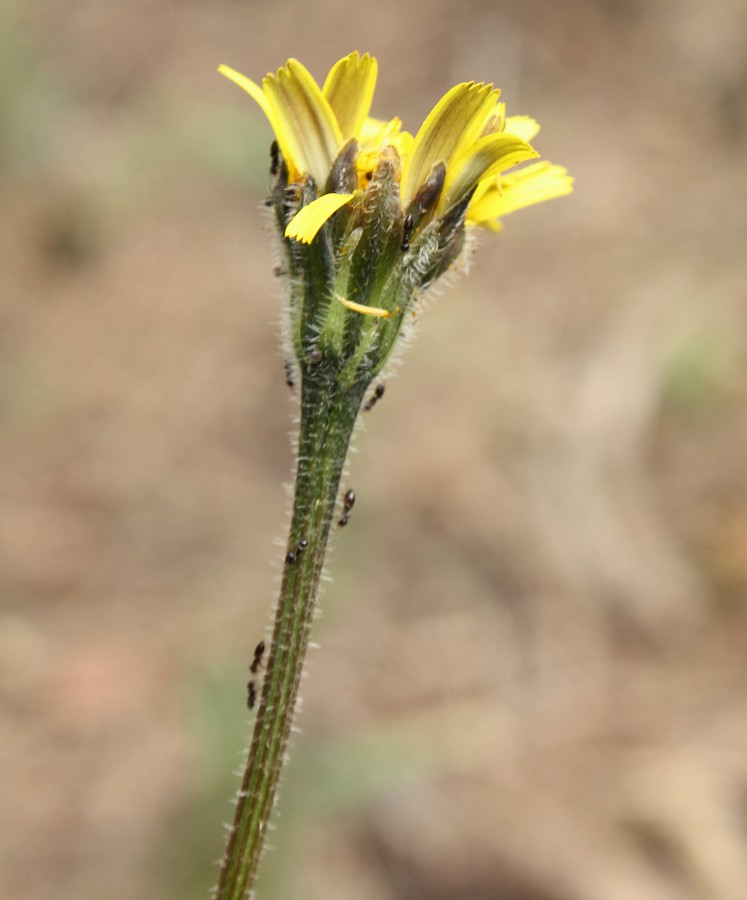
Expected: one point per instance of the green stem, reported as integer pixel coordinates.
(328, 414)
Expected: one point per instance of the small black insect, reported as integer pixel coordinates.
(251, 694)
(375, 397)
(288, 365)
(407, 232)
(294, 555)
(258, 654)
(274, 158)
(348, 502)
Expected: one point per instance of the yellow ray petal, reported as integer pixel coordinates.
(489, 156)
(254, 90)
(524, 127)
(534, 184)
(376, 311)
(462, 110)
(371, 128)
(402, 142)
(376, 133)
(307, 222)
(472, 131)
(257, 94)
(495, 121)
(484, 185)
(303, 120)
(349, 88)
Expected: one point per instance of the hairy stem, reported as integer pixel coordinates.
(328, 413)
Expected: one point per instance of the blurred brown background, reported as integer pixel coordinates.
(532, 680)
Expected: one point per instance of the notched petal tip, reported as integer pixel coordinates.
(349, 88)
(303, 119)
(454, 123)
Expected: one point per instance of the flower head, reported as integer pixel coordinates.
(467, 131)
(372, 215)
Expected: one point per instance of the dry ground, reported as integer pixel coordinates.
(532, 680)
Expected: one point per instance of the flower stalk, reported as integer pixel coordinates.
(328, 416)
(368, 217)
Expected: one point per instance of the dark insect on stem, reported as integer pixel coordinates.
(294, 555)
(274, 158)
(348, 502)
(375, 397)
(407, 232)
(288, 365)
(258, 654)
(251, 687)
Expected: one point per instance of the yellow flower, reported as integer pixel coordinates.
(457, 158)
(532, 184)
